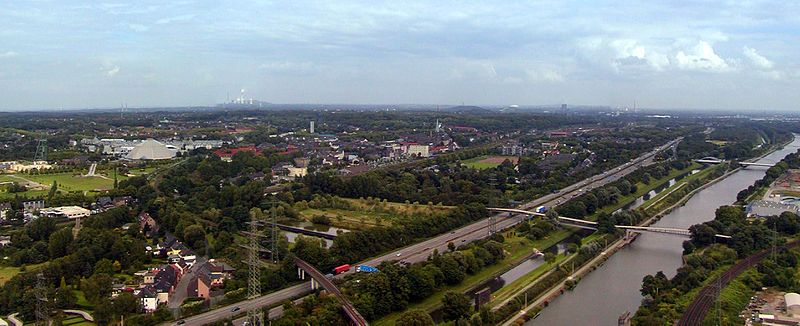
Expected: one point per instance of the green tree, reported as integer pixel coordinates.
(97, 288)
(59, 242)
(195, 237)
(415, 317)
(125, 303)
(453, 273)
(455, 305)
(53, 190)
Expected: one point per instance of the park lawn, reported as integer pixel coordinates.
(7, 272)
(516, 248)
(641, 190)
(82, 302)
(69, 320)
(70, 182)
(29, 194)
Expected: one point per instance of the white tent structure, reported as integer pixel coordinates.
(151, 149)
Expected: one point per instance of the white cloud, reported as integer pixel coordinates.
(702, 57)
(289, 67)
(630, 52)
(111, 72)
(138, 27)
(173, 19)
(475, 69)
(757, 59)
(8, 54)
(544, 74)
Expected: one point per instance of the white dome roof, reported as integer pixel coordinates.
(792, 299)
(151, 149)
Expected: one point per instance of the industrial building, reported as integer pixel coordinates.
(152, 149)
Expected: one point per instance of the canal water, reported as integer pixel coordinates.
(528, 265)
(291, 236)
(606, 293)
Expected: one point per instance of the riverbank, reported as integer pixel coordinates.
(517, 248)
(537, 275)
(543, 301)
(619, 278)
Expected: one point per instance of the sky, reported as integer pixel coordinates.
(662, 54)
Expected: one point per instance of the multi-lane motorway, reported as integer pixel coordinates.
(420, 251)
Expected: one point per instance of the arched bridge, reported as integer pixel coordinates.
(584, 224)
(714, 160)
(317, 279)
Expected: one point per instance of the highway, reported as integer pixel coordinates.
(420, 251)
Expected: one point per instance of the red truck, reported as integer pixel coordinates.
(341, 269)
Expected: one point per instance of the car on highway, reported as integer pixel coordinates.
(235, 309)
(180, 322)
(398, 254)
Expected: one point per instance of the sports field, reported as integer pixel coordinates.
(488, 162)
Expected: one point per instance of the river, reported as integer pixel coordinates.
(606, 293)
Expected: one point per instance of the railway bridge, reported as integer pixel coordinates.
(319, 279)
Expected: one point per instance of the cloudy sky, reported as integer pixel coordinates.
(665, 54)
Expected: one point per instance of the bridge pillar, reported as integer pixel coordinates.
(313, 284)
(301, 274)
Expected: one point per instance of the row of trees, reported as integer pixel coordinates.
(377, 294)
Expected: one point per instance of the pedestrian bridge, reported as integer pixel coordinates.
(317, 279)
(591, 225)
(714, 160)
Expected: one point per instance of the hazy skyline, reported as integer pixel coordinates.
(691, 54)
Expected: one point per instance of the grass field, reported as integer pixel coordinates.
(7, 272)
(516, 247)
(488, 162)
(641, 190)
(365, 213)
(70, 182)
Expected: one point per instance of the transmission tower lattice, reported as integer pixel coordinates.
(41, 151)
(273, 239)
(492, 225)
(255, 316)
(42, 311)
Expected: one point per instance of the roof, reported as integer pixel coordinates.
(769, 208)
(792, 299)
(151, 149)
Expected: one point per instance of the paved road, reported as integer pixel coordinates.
(179, 294)
(420, 251)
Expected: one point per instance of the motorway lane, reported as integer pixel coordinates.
(478, 230)
(420, 251)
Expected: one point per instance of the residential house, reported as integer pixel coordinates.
(199, 286)
(148, 299)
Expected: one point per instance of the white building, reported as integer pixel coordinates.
(792, 304)
(70, 212)
(152, 149)
(419, 150)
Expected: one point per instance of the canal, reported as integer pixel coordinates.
(606, 293)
